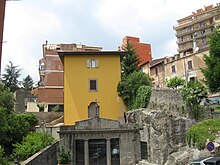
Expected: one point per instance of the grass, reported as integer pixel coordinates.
(198, 134)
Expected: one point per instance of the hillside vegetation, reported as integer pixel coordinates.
(198, 134)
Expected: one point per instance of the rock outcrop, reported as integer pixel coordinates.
(163, 125)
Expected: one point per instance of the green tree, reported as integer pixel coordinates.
(6, 98)
(175, 82)
(28, 83)
(212, 71)
(143, 97)
(193, 93)
(15, 127)
(128, 87)
(31, 144)
(3, 160)
(130, 61)
(10, 77)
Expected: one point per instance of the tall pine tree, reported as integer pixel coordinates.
(10, 77)
(212, 71)
(129, 62)
(132, 78)
(28, 83)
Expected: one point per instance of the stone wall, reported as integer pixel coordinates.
(163, 124)
(47, 117)
(53, 131)
(47, 156)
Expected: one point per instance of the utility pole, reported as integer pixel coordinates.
(2, 16)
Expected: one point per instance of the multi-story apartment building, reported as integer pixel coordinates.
(143, 49)
(50, 90)
(192, 31)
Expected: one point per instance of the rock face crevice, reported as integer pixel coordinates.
(163, 124)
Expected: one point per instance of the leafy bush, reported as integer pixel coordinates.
(63, 155)
(31, 144)
(193, 93)
(3, 160)
(198, 134)
(175, 82)
(143, 96)
(56, 108)
(41, 106)
(128, 87)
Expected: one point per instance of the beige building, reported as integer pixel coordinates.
(192, 31)
(157, 72)
(187, 66)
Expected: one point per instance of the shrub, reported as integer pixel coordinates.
(198, 134)
(63, 155)
(3, 160)
(31, 144)
(175, 82)
(143, 97)
(128, 87)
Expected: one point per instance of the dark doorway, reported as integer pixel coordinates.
(115, 152)
(80, 152)
(143, 150)
(97, 152)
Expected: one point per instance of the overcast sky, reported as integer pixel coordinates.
(29, 23)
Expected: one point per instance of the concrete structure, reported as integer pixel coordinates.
(101, 141)
(192, 31)
(90, 85)
(157, 72)
(143, 49)
(23, 98)
(47, 156)
(2, 16)
(50, 89)
(186, 66)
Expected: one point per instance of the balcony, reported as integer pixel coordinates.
(194, 20)
(195, 29)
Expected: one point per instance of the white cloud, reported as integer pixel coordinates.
(24, 27)
(29, 23)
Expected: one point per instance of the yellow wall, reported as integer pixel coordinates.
(76, 87)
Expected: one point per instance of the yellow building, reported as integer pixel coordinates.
(90, 85)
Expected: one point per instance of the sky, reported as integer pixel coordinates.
(29, 23)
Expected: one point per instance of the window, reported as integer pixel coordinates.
(192, 79)
(190, 65)
(143, 150)
(156, 71)
(173, 69)
(92, 63)
(115, 151)
(92, 85)
(97, 152)
(93, 110)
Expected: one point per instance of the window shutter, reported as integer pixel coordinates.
(97, 63)
(87, 63)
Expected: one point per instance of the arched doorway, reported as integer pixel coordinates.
(93, 110)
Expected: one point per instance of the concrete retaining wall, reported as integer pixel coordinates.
(47, 156)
